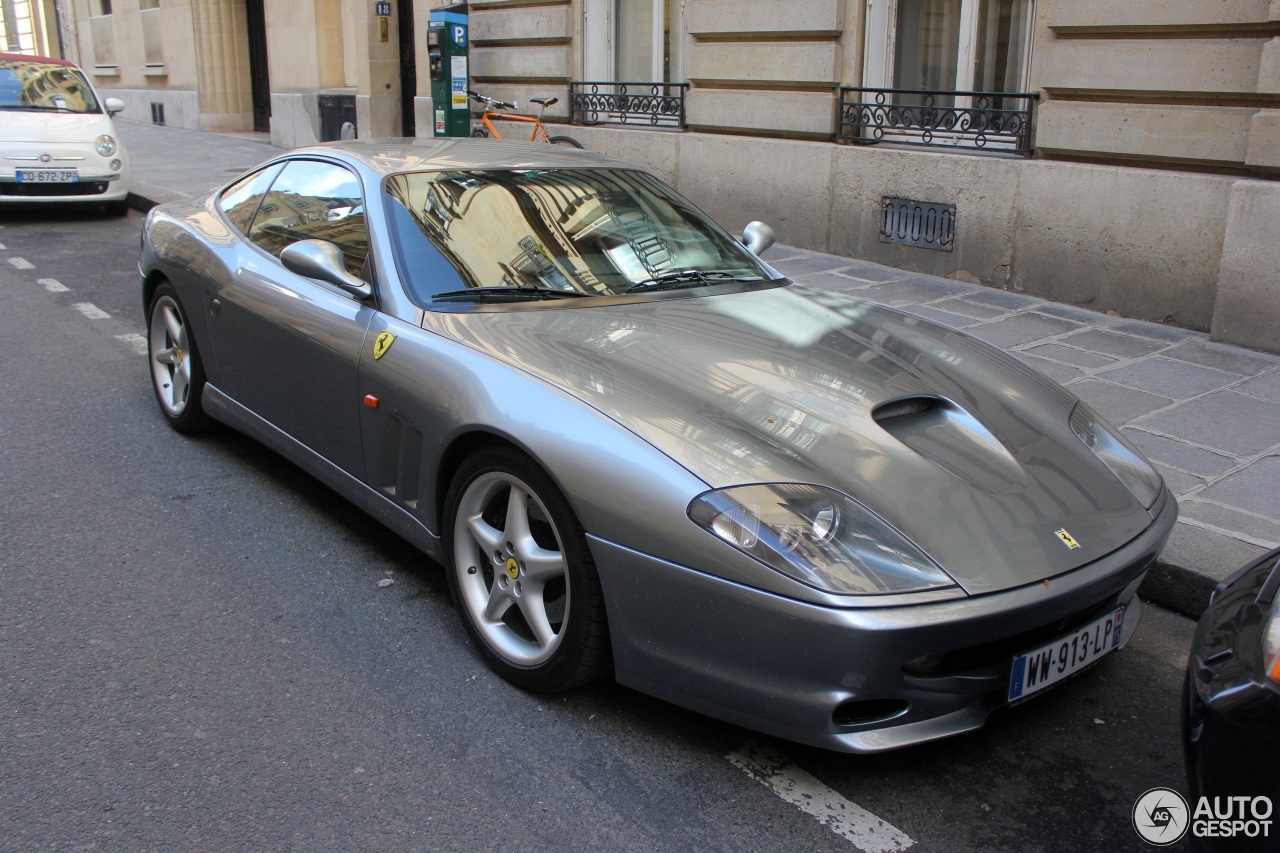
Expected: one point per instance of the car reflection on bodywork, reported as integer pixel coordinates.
(1231, 707)
(641, 452)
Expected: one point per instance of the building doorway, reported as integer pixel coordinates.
(259, 81)
(408, 68)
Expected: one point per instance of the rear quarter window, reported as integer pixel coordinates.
(240, 200)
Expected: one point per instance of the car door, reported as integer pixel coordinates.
(291, 345)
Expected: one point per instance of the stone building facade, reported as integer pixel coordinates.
(1138, 172)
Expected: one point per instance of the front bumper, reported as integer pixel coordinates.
(851, 680)
(98, 180)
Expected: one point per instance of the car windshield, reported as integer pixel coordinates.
(41, 86)
(547, 233)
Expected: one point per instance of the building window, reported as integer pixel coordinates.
(633, 41)
(106, 7)
(633, 65)
(949, 45)
(944, 72)
(18, 25)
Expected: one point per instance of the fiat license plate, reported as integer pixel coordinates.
(1065, 656)
(48, 176)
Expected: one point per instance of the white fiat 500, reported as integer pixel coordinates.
(57, 138)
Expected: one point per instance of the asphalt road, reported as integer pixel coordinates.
(195, 655)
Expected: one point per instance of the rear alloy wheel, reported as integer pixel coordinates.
(521, 574)
(177, 374)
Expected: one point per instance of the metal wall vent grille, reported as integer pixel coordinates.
(924, 224)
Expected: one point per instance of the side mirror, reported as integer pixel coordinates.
(757, 237)
(113, 106)
(323, 261)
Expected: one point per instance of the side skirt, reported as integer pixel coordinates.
(228, 411)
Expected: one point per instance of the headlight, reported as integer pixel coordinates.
(1114, 451)
(106, 145)
(818, 536)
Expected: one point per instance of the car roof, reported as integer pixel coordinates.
(45, 60)
(408, 154)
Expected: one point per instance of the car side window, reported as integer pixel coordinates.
(240, 200)
(312, 200)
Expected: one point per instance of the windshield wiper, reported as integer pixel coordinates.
(529, 290)
(686, 278)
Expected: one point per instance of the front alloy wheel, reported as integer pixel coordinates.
(177, 375)
(522, 576)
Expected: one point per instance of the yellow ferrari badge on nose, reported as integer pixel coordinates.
(1067, 539)
(382, 343)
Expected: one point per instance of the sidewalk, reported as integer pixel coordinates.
(1207, 414)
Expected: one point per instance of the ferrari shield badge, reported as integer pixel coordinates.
(382, 343)
(1067, 539)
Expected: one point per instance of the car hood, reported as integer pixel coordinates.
(40, 127)
(978, 465)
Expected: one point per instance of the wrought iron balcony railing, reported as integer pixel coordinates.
(975, 121)
(657, 105)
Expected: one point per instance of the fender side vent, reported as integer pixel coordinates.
(902, 408)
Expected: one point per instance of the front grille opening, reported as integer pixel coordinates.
(998, 653)
(904, 407)
(13, 188)
(860, 712)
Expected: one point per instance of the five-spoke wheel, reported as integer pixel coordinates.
(522, 576)
(176, 372)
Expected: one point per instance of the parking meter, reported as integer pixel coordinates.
(447, 44)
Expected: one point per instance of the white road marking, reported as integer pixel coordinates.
(3, 247)
(93, 312)
(135, 341)
(53, 285)
(22, 263)
(855, 824)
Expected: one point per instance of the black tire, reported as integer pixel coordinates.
(480, 132)
(177, 373)
(565, 140)
(116, 208)
(525, 586)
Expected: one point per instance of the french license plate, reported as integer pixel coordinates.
(1049, 664)
(48, 176)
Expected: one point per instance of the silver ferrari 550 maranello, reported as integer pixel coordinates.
(640, 452)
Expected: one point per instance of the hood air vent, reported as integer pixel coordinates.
(902, 408)
(950, 437)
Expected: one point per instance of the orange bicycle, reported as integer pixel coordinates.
(539, 134)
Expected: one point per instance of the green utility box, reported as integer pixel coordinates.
(447, 52)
